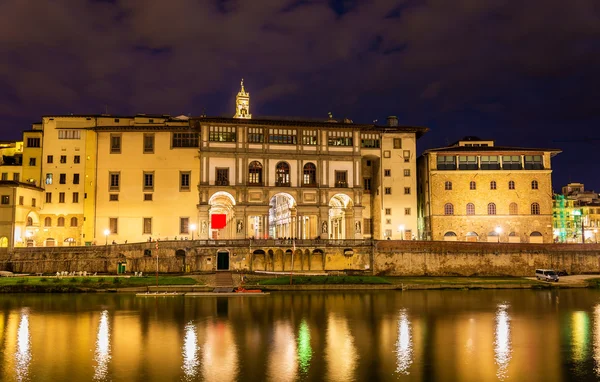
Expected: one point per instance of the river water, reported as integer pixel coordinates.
(503, 335)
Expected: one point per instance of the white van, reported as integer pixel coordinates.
(546, 275)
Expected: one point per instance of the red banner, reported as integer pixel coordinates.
(218, 221)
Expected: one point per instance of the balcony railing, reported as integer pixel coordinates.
(222, 183)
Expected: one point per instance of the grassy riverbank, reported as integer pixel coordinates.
(325, 280)
(376, 280)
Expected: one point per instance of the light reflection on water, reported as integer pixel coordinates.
(283, 363)
(340, 352)
(502, 344)
(23, 351)
(579, 335)
(102, 354)
(304, 349)
(597, 339)
(219, 352)
(404, 345)
(190, 352)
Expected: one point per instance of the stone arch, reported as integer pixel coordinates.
(180, 257)
(278, 260)
(341, 217)
(450, 236)
(536, 237)
(69, 241)
(222, 215)
(32, 219)
(472, 236)
(223, 260)
(3, 242)
(259, 260)
(282, 215)
(513, 237)
(317, 260)
(50, 242)
(287, 260)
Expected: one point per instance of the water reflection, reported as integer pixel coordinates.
(190, 352)
(597, 339)
(340, 353)
(23, 351)
(580, 332)
(404, 346)
(304, 348)
(282, 360)
(220, 352)
(502, 344)
(102, 355)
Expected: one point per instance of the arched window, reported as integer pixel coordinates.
(448, 186)
(73, 222)
(472, 185)
(29, 221)
(448, 209)
(470, 209)
(493, 185)
(309, 175)
(513, 209)
(511, 185)
(47, 222)
(534, 184)
(282, 174)
(255, 173)
(491, 209)
(61, 222)
(535, 209)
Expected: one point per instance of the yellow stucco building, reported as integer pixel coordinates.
(104, 178)
(474, 190)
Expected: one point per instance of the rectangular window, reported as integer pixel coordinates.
(48, 178)
(388, 221)
(339, 138)
(467, 162)
(407, 211)
(75, 178)
(310, 137)
(148, 143)
(406, 155)
(16, 176)
(5, 199)
(61, 197)
(184, 225)
(113, 181)
(388, 190)
(148, 181)
(33, 142)
(48, 197)
(4, 176)
(115, 143)
(370, 141)
(33, 202)
(63, 159)
(32, 161)
(62, 179)
(76, 159)
(397, 143)
(113, 197)
(387, 172)
(366, 226)
(388, 233)
(21, 200)
(446, 162)
(367, 184)
(147, 227)
(406, 190)
(407, 172)
(113, 224)
(50, 159)
(185, 140)
(76, 197)
(222, 177)
(283, 136)
(222, 133)
(533, 162)
(490, 162)
(148, 197)
(341, 179)
(388, 211)
(69, 134)
(184, 180)
(511, 162)
(256, 135)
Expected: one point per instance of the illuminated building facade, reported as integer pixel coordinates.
(576, 215)
(104, 178)
(476, 191)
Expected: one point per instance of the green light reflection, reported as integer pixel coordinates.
(304, 349)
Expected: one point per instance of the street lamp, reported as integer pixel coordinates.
(192, 228)
(401, 230)
(106, 233)
(498, 230)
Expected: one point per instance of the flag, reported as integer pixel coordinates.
(218, 221)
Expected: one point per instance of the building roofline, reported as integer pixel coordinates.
(490, 149)
(13, 183)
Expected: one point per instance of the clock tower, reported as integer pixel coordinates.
(242, 104)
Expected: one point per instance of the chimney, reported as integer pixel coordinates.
(392, 120)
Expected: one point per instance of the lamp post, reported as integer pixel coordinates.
(401, 230)
(192, 228)
(596, 236)
(106, 233)
(498, 230)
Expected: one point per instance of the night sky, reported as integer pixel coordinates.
(524, 73)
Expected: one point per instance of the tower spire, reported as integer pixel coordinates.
(242, 103)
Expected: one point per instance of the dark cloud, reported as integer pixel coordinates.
(522, 72)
